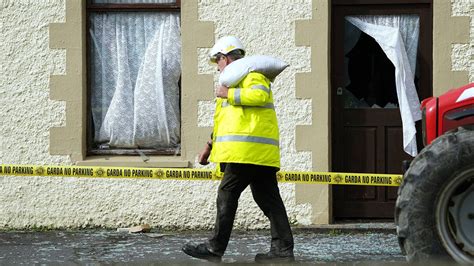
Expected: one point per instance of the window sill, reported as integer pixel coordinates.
(134, 161)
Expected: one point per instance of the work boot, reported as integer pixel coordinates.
(272, 257)
(201, 252)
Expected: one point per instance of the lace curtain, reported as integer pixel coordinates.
(398, 36)
(135, 70)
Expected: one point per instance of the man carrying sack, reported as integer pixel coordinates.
(245, 145)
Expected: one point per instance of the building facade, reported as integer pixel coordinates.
(44, 87)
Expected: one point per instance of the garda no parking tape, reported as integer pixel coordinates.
(329, 178)
(340, 178)
(108, 172)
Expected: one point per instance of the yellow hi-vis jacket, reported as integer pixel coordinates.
(245, 125)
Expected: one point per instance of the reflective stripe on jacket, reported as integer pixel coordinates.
(245, 125)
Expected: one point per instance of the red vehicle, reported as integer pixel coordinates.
(435, 205)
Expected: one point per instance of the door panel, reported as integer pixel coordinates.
(365, 137)
(394, 149)
(360, 156)
(394, 153)
(358, 140)
(370, 136)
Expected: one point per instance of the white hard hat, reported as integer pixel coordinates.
(224, 46)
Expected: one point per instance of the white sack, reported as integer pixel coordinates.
(268, 66)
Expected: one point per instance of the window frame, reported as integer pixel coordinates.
(122, 7)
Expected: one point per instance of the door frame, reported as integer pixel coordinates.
(342, 8)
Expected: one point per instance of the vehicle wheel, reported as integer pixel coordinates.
(434, 211)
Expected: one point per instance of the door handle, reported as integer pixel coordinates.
(339, 91)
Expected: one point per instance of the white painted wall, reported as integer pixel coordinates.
(26, 114)
(463, 54)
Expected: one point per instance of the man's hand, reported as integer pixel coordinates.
(204, 155)
(221, 91)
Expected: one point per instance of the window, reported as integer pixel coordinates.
(134, 70)
(380, 51)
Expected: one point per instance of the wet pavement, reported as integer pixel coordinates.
(96, 247)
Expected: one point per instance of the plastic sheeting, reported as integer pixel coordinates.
(397, 35)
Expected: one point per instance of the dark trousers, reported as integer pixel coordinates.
(264, 186)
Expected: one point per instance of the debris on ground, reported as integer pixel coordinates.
(144, 228)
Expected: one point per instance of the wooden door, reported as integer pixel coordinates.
(366, 125)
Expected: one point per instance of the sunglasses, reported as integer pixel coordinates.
(217, 58)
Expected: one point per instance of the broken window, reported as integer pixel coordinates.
(380, 57)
